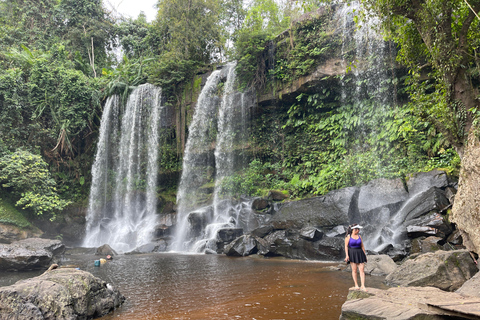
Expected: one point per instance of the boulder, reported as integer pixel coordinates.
(425, 244)
(380, 265)
(260, 205)
(396, 252)
(30, 254)
(276, 195)
(422, 181)
(64, 293)
(329, 210)
(242, 246)
(409, 303)
(465, 211)
(433, 220)
(418, 231)
(229, 234)
(105, 250)
(311, 234)
(262, 231)
(446, 270)
(422, 203)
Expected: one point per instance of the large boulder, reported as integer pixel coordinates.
(64, 293)
(242, 246)
(433, 199)
(291, 244)
(30, 254)
(466, 211)
(422, 181)
(446, 270)
(401, 303)
(105, 250)
(380, 265)
(425, 245)
(330, 210)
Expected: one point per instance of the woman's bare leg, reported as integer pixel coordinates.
(354, 274)
(361, 268)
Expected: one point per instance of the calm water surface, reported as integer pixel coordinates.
(176, 286)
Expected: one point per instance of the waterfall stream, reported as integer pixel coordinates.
(218, 125)
(122, 202)
(371, 94)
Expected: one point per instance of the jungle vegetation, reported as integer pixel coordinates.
(60, 60)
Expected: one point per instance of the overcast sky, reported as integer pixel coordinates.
(132, 8)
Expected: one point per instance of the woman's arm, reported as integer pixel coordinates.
(346, 248)
(363, 247)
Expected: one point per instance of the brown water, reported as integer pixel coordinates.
(176, 286)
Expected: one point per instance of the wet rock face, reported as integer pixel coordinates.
(59, 294)
(393, 213)
(330, 210)
(30, 254)
(198, 220)
(446, 270)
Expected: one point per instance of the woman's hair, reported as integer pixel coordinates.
(349, 229)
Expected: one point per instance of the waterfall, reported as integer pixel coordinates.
(371, 84)
(196, 162)
(217, 126)
(122, 201)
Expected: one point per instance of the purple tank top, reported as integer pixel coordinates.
(352, 243)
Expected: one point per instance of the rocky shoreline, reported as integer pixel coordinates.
(435, 285)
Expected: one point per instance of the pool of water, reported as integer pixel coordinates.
(179, 286)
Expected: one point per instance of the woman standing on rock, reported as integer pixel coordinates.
(355, 254)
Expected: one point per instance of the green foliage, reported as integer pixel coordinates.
(307, 44)
(263, 22)
(254, 180)
(10, 215)
(438, 41)
(28, 177)
(188, 29)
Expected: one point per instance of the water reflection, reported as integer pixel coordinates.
(175, 286)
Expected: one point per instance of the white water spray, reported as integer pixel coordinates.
(122, 202)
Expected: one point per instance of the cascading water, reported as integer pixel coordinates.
(372, 95)
(217, 126)
(122, 202)
(196, 168)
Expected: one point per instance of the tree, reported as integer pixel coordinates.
(189, 28)
(439, 42)
(88, 31)
(26, 175)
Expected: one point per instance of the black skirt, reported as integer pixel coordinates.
(356, 255)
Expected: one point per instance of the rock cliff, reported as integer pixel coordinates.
(466, 208)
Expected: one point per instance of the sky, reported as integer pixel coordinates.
(132, 8)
